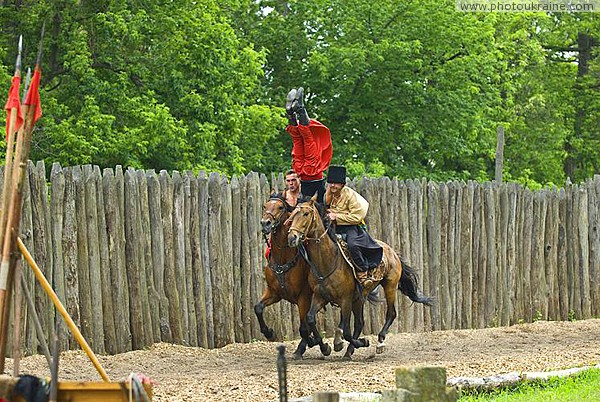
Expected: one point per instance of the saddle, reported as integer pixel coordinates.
(365, 278)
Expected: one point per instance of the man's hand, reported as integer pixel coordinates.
(332, 216)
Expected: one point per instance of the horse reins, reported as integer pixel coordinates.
(304, 253)
(280, 269)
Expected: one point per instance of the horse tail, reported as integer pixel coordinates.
(409, 286)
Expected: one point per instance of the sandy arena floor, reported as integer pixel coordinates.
(247, 372)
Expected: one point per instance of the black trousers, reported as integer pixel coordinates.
(365, 251)
(310, 188)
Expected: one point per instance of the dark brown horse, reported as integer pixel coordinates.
(286, 274)
(335, 280)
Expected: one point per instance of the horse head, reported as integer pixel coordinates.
(275, 211)
(303, 221)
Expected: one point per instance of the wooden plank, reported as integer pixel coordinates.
(446, 305)
(68, 277)
(141, 254)
(58, 207)
(454, 288)
(502, 228)
(478, 284)
(257, 280)
(179, 271)
(112, 186)
(466, 254)
(247, 312)
(526, 295)
(594, 239)
(147, 268)
(109, 335)
(209, 329)
(17, 324)
(236, 249)
(575, 299)
(40, 245)
(550, 253)
(433, 251)
(227, 261)
(584, 253)
(197, 276)
(491, 270)
(188, 178)
(158, 255)
(562, 251)
(519, 302)
(538, 276)
(169, 277)
(82, 264)
(133, 263)
(95, 278)
(511, 253)
(219, 276)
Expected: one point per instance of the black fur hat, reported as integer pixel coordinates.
(336, 174)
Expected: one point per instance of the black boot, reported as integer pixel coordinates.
(291, 97)
(298, 107)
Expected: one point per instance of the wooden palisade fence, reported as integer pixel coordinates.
(139, 257)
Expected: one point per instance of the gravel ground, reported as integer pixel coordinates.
(247, 372)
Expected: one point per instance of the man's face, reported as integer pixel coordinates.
(335, 187)
(292, 182)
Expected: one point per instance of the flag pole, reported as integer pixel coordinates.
(11, 233)
(10, 142)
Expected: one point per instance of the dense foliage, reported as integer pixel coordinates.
(409, 89)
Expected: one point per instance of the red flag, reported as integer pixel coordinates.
(33, 96)
(14, 101)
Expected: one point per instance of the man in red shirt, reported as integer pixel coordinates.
(312, 150)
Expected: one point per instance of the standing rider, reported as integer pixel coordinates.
(312, 149)
(348, 209)
(292, 183)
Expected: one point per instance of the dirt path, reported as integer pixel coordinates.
(247, 372)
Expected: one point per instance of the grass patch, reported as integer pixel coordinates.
(584, 386)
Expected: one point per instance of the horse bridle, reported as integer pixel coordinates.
(312, 221)
(276, 221)
(302, 249)
(280, 269)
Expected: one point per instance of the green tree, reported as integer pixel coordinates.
(155, 84)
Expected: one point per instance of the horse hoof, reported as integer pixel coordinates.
(296, 356)
(326, 349)
(347, 358)
(380, 348)
(338, 346)
(366, 341)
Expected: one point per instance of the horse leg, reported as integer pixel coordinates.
(338, 340)
(316, 305)
(346, 309)
(299, 352)
(266, 300)
(390, 315)
(359, 323)
(307, 339)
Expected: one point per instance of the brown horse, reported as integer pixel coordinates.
(286, 274)
(335, 280)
